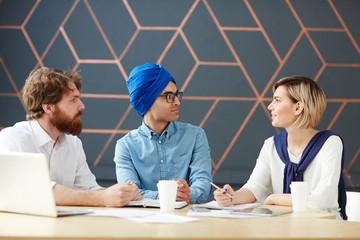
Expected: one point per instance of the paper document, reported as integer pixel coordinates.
(204, 212)
(164, 218)
(122, 213)
(142, 216)
(212, 209)
(213, 205)
(146, 202)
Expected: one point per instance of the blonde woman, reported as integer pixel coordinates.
(300, 153)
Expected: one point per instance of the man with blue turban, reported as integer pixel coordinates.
(162, 148)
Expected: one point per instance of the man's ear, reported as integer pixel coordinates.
(48, 108)
(299, 108)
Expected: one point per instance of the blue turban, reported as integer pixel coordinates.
(145, 83)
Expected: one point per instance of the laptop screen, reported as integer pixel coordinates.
(25, 184)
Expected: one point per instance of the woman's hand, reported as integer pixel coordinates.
(222, 198)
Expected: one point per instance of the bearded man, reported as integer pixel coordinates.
(52, 98)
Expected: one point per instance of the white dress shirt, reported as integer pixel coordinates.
(323, 174)
(67, 161)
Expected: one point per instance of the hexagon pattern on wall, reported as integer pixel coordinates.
(224, 54)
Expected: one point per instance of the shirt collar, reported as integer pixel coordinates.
(41, 135)
(169, 130)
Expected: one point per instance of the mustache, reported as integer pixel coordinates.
(79, 114)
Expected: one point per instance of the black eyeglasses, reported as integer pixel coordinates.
(170, 96)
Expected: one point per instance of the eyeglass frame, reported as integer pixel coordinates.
(178, 94)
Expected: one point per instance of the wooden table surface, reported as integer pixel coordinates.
(312, 224)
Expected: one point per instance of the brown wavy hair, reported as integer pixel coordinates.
(307, 91)
(47, 86)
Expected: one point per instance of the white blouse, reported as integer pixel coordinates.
(323, 174)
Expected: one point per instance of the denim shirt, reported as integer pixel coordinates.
(182, 151)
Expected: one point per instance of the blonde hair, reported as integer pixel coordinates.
(305, 90)
(47, 86)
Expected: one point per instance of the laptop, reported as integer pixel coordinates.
(25, 186)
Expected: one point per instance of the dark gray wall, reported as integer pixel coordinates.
(224, 54)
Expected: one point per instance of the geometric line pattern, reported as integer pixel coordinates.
(199, 39)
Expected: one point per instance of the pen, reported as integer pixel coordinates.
(220, 189)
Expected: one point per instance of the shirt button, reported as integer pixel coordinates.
(160, 141)
(162, 161)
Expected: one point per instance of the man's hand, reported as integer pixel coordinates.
(120, 195)
(183, 192)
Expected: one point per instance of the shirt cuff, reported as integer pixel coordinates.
(53, 184)
(149, 194)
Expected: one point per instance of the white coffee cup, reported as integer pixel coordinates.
(299, 195)
(167, 195)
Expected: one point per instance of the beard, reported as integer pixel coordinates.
(66, 124)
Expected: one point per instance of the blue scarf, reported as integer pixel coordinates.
(294, 172)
